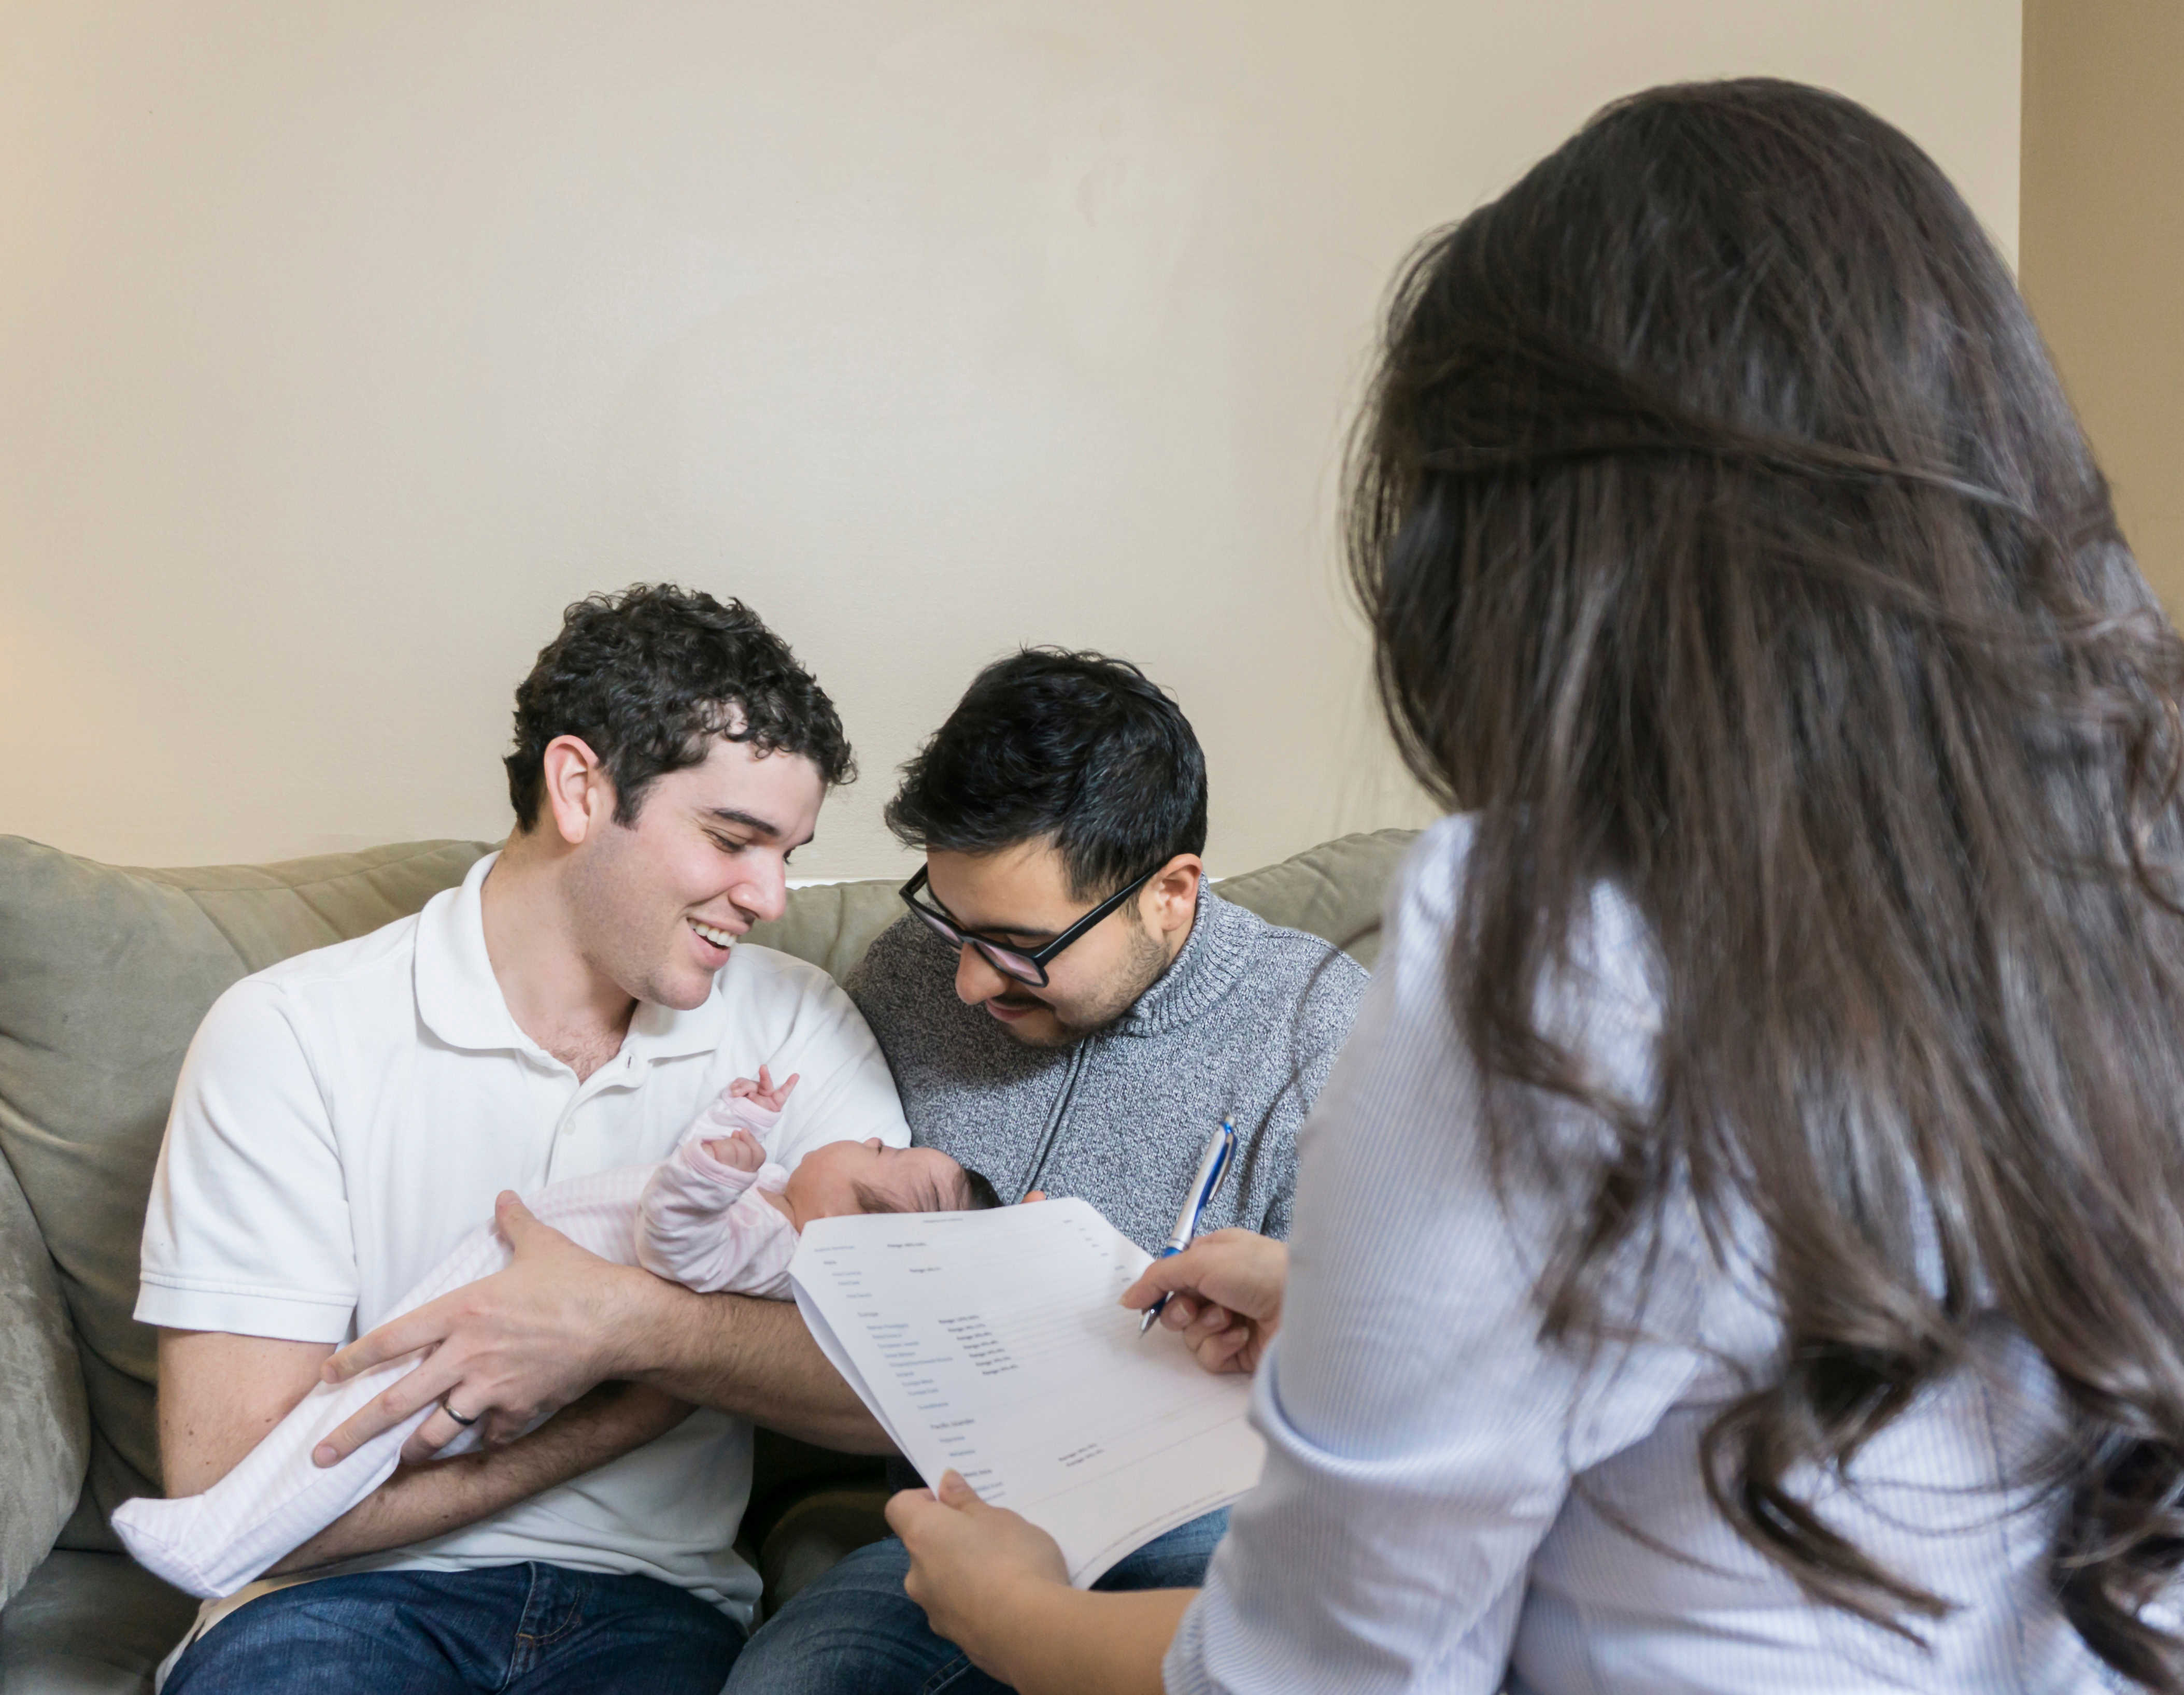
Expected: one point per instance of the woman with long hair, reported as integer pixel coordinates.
(1743, 1247)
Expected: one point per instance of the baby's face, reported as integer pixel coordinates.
(845, 1178)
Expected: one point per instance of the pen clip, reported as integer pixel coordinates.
(1217, 1177)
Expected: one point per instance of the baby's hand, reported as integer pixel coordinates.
(763, 1091)
(738, 1148)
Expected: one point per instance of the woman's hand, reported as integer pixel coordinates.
(1224, 1294)
(973, 1568)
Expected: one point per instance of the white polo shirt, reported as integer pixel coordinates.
(342, 1117)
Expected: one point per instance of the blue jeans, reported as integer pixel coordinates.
(528, 1628)
(853, 1632)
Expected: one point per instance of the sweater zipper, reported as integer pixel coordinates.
(1047, 1137)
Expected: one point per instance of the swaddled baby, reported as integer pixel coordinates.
(717, 1216)
(720, 1216)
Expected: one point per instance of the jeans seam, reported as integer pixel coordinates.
(548, 1638)
(524, 1644)
(945, 1675)
(572, 1620)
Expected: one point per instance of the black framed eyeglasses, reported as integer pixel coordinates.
(1025, 965)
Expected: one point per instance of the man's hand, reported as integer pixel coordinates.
(558, 1321)
(419, 1501)
(1224, 1294)
(505, 1352)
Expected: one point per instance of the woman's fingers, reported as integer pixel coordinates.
(955, 1492)
(1164, 1277)
(903, 1510)
(1223, 1297)
(1242, 1271)
(961, 1549)
(1211, 1321)
(1225, 1351)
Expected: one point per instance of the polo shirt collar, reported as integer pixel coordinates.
(459, 999)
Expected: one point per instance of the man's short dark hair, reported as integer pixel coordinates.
(649, 677)
(1075, 747)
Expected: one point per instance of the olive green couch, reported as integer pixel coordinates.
(104, 973)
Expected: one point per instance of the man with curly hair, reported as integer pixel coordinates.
(344, 1116)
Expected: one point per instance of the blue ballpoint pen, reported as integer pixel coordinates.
(1211, 1170)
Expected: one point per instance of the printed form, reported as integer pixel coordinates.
(991, 1343)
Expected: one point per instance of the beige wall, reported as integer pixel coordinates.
(341, 346)
(2103, 246)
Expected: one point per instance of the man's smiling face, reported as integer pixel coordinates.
(657, 901)
(1021, 896)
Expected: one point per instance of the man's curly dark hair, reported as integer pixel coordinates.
(648, 677)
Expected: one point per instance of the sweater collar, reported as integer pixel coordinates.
(1213, 957)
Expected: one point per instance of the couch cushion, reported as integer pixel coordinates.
(44, 1434)
(104, 974)
(832, 924)
(1333, 891)
(90, 1623)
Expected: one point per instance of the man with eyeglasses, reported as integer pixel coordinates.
(1066, 1007)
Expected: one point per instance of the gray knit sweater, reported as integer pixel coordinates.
(1239, 1025)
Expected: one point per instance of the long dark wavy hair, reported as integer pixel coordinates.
(1727, 537)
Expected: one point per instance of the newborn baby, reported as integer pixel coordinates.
(716, 1216)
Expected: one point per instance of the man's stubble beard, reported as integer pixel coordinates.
(1147, 963)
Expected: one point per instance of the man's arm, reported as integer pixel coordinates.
(533, 1337)
(419, 1501)
(754, 1359)
(220, 1394)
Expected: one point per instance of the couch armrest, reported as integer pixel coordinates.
(44, 1430)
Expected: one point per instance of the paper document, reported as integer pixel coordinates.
(991, 1343)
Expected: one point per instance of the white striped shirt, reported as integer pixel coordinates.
(1440, 1502)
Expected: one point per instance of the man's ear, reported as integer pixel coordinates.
(579, 795)
(1170, 900)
